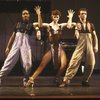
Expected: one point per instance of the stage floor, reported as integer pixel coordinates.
(45, 88)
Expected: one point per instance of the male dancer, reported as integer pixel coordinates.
(87, 44)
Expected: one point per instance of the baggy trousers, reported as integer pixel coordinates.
(21, 47)
(84, 45)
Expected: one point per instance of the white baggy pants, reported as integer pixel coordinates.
(20, 46)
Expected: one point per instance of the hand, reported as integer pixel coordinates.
(38, 10)
(38, 35)
(95, 49)
(7, 51)
(70, 13)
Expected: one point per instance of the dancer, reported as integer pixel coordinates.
(19, 45)
(88, 45)
(56, 52)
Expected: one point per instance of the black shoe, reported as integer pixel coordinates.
(57, 81)
(85, 84)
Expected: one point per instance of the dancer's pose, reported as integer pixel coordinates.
(19, 45)
(56, 51)
(88, 45)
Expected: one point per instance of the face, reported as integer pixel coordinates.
(25, 15)
(55, 18)
(83, 15)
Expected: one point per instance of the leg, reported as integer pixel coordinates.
(63, 64)
(10, 61)
(87, 74)
(56, 62)
(46, 58)
(71, 70)
(26, 57)
(90, 62)
(27, 64)
(75, 61)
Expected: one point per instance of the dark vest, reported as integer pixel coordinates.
(88, 29)
(24, 27)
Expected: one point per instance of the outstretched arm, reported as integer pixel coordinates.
(10, 42)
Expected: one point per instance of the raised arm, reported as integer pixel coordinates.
(38, 12)
(40, 22)
(69, 23)
(10, 42)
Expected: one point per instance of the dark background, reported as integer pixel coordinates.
(10, 11)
